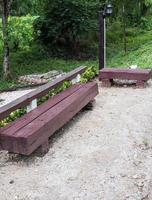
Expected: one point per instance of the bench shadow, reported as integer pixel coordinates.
(126, 83)
(123, 83)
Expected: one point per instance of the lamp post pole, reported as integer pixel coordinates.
(107, 11)
(101, 41)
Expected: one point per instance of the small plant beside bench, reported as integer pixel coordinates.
(33, 129)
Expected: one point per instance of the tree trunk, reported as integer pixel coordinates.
(5, 7)
(124, 28)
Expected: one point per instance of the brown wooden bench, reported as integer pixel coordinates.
(141, 76)
(33, 130)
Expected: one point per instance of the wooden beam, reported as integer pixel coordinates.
(29, 117)
(141, 76)
(41, 91)
(37, 132)
(130, 74)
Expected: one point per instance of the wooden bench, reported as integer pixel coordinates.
(141, 76)
(33, 130)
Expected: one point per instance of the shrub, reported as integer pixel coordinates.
(12, 117)
(64, 22)
(114, 32)
(21, 32)
(87, 76)
(146, 23)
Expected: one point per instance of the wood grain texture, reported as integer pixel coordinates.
(15, 126)
(41, 91)
(36, 133)
(126, 74)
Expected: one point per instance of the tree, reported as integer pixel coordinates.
(24, 7)
(5, 9)
(63, 22)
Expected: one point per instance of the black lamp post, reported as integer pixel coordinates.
(106, 11)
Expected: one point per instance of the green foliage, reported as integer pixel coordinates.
(21, 32)
(24, 7)
(142, 57)
(114, 32)
(146, 23)
(54, 92)
(20, 112)
(148, 3)
(68, 27)
(36, 60)
(89, 74)
(64, 86)
(140, 48)
(64, 22)
(12, 117)
(5, 84)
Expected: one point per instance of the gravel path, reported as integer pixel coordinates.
(7, 97)
(104, 154)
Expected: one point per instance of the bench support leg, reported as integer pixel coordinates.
(141, 84)
(13, 156)
(44, 148)
(106, 82)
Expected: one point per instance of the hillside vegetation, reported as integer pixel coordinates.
(50, 34)
(139, 52)
(35, 60)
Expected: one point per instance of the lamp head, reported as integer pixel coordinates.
(108, 9)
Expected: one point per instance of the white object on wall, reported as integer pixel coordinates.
(32, 105)
(76, 79)
(133, 67)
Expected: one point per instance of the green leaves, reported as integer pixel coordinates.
(63, 22)
(54, 92)
(21, 32)
(12, 117)
(89, 74)
(24, 7)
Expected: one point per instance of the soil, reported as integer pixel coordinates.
(103, 154)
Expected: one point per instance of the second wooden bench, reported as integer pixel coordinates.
(141, 76)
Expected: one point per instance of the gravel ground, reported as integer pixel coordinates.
(103, 154)
(7, 97)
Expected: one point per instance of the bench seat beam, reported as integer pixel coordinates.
(141, 76)
(37, 132)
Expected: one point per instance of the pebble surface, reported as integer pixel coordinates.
(103, 154)
(7, 97)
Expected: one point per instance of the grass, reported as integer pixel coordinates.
(24, 63)
(139, 48)
(141, 57)
(139, 45)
